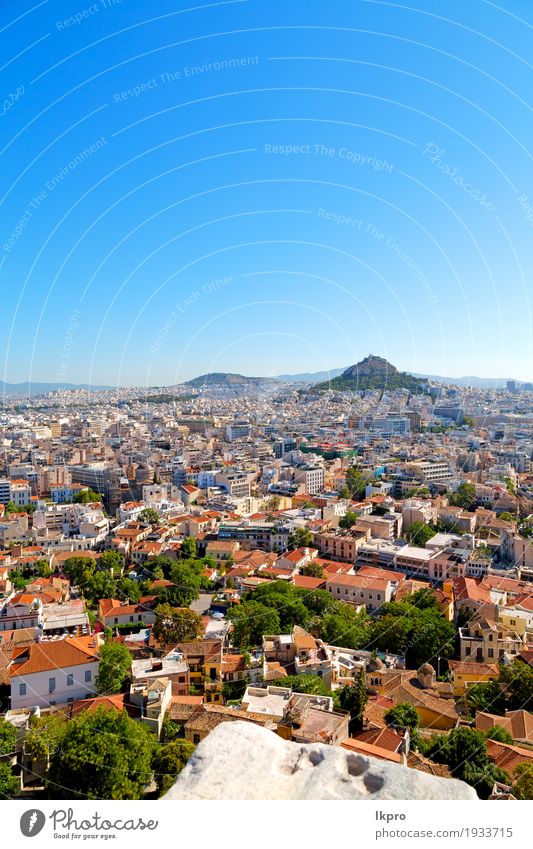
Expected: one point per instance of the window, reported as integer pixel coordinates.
(51, 684)
(88, 675)
(491, 652)
(196, 739)
(131, 618)
(467, 650)
(70, 679)
(22, 689)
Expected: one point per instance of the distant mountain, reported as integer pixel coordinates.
(220, 378)
(374, 373)
(470, 380)
(29, 388)
(310, 376)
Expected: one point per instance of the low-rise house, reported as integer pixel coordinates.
(485, 640)
(21, 610)
(465, 674)
(297, 559)
(420, 690)
(341, 545)
(173, 667)
(55, 672)
(112, 611)
(300, 717)
(152, 698)
(222, 550)
(360, 590)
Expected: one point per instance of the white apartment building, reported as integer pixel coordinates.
(430, 471)
(20, 492)
(312, 477)
(55, 672)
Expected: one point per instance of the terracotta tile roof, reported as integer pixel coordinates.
(470, 667)
(357, 581)
(402, 686)
(418, 761)
(519, 723)
(383, 737)
(355, 745)
(56, 654)
(386, 574)
(508, 757)
(308, 582)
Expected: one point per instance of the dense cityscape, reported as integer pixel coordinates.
(344, 560)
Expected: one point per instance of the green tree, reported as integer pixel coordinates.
(9, 783)
(128, 589)
(186, 576)
(188, 547)
(80, 570)
(310, 684)
(149, 516)
(461, 747)
(87, 496)
(175, 625)
(312, 570)
(403, 715)
(111, 561)
(500, 734)
(465, 496)
(44, 736)
(99, 585)
(353, 698)
(114, 668)
(103, 755)
(42, 569)
(483, 778)
(250, 621)
(168, 762)
(300, 538)
(523, 781)
(356, 483)
(486, 697)
(418, 533)
(348, 520)
(8, 737)
(517, 684)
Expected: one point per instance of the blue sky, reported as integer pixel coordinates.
(264, 188)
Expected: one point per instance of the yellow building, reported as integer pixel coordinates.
(465, 673)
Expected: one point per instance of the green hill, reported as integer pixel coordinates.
(374, 373)
(220, 378)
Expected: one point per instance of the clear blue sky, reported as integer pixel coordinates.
(264, 187)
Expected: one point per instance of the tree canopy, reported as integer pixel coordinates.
(168, 761)
(282, 606)
(175, 625)
(103, 755)
(114, 668)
